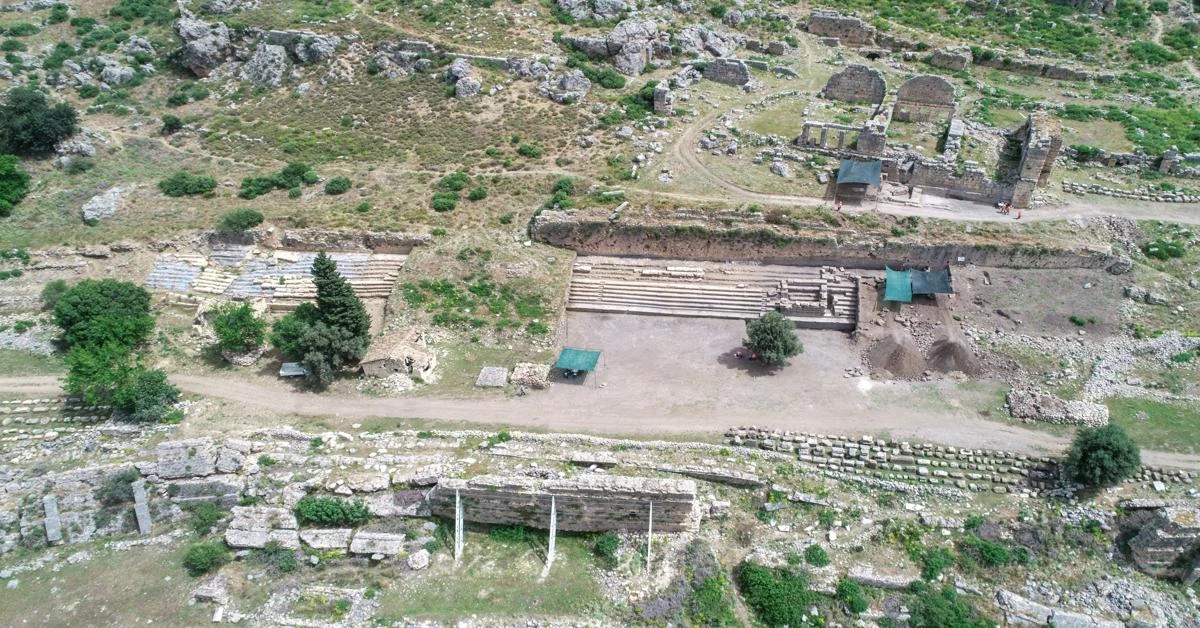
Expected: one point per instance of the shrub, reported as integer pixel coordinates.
(277, 557)
(934, 561)
(202, 558)
(337, 185)
(292, 176)
(709, 603)
(12, 45)
(990, 553)
(88, 91)
(773, 338)
(454, 182)
(146, 396)
(59, 13)
(1079, 321)
(606, 548)
(186, 184)
(444, 201)
(718, 10)
(331, 512)
(79, 165)
(530, 151)
(117, 489)
(778, 597)
(1151, 53)
(1102, 456)
(238, 221)
(477, 194)
(1164, 249)
(850, 593)
(14, 183)
(511, 535)
(203, 516)
(52, 292)
(816, 556)
(238, 329)
(171, 124)
(938, 608)
(29, 125)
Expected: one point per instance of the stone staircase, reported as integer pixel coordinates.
(810, 296)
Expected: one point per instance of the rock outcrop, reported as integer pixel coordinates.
(630, 46)
(267, 66)
(566, 89)
(205, 46)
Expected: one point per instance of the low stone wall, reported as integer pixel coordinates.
(589, 231)
(1158, 197)
(590, 504)
(320, 240)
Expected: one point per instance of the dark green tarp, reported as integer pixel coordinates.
(859, 172)
(898, 286)
(931, 281)
(577, 359)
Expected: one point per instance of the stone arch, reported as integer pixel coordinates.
(856, 83)
(924, 98)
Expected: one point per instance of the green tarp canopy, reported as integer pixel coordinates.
(867, 172)
(931, 281)
(898, 286)
(577, 359)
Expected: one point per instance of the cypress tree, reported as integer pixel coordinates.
(336, 300)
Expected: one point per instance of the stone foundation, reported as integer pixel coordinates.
(593, 503)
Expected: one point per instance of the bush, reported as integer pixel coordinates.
(477, 194)
(778, 597)
(511, 535)
(171, 124)
(59, 13)
(444, 201)
(990, 553)
(291, 177)
(29, 125)
(709, 603)
(851, 594)
(79, 165)
(331, 512)
(530, 151)
(14, 183)
(606, 548)
(117, 489)
(277, 557)
(202, 558)
(52, 292)
(203, 516)
(938, 608)
(816, 556)
(337, 185)
(934, 561)
(146, 396)
(1151, 53)
(454, 182)
(238, 221)
(88, 91)
(237, 328)
(1102, 456)
(1164, 249)
(773, 338)
(187, 184)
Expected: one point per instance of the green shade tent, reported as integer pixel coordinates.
(931, 281)
(860, 172)
(577, 359)
(898, 286)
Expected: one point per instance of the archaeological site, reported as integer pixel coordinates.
(341, 313)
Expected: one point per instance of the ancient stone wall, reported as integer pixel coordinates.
(592, 503)
(856, 83)
(1041, 141)
(848, 30)
(923, 99)
(727, 71)
(1089, 6)
(1168, 543)
(941, 177)
(590, 232)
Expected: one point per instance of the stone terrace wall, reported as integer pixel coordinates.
(589, 504)
(590, 232)
(856, 83)
(848, 30)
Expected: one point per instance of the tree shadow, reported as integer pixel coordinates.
(753, 368)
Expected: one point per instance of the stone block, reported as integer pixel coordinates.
(337, 538)
(377, 543)
(52, 522)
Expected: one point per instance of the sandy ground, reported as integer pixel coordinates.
(672, 376)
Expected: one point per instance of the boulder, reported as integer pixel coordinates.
(267, 66)
(418, 560)
(205, 46)
(103, 205)
(368, 482)
(306, 46)
(781, 169)
(467, 87)
(571, 87)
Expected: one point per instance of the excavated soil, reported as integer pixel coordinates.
(948, 354)
(897, 354)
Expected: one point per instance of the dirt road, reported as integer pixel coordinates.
(546, 412)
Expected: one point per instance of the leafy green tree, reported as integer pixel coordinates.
(14, 183)
(773, 338)
(145, 395)
(52, 292)
(104, 311)
(330, 335)
(29, 125)
(95, 372)
(171, 124)
(1102, 456)
(238, 221)
(237, 328)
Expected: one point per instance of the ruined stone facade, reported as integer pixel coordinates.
(955, 59)
(592, 503)
(847, 30)
(924, 98)
(1041, 138)
(1167, 545)
(856, 83)
(727, 71)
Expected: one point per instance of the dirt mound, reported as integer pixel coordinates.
(948, 354)
(898, 355)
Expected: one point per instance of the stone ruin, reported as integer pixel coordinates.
(1089, 6)
(845, 29)
(727, 71)
(1041, 140)
(1166, 538)
(871, 140)
(856, 83)
(591, 503)
(1036, 404)
(924, 98)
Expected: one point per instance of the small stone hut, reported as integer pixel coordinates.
(399, 352)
